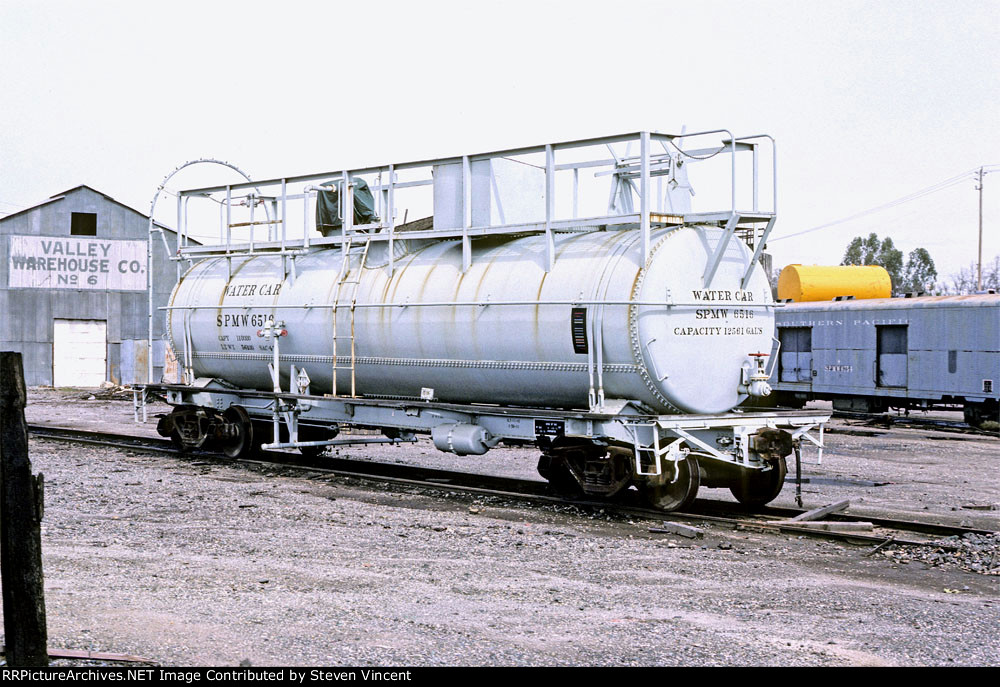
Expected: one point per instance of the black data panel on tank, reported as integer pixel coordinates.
(578, 324)
(550, 428)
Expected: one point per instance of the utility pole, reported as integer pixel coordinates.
(979, 269)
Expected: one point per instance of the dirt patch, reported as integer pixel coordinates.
(191, 562)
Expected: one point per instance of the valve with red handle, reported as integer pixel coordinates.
(272, 329)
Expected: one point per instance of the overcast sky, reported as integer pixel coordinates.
(869, 101)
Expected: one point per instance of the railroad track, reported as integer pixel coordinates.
(530, 491)
(888, 421)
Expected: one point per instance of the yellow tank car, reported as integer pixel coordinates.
(823, 283)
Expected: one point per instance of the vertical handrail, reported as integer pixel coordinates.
(305, 212)
(758, 249)
(183, 226)
(180, 219)
(550, 204)
(229, 215)
(229, 231)
(346, 211)
(349, 202)
(181, 229)
(576, 192)
(774, 167)
(284, 213)
(466, 213)
(271, 229)
(732, 173)
(354, 301)
(391, 211)
(252, 200)
(644, 194)
(591, 370)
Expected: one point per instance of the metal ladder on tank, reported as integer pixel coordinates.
(339, 303)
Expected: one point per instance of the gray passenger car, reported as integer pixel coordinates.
(872, 355)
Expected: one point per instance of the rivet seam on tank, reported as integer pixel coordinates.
(633, 326)
(426, 362)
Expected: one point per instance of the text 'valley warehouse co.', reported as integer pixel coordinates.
(76, 263)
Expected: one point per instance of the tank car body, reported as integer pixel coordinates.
(802, 283)
(465, 334)
(619, 344)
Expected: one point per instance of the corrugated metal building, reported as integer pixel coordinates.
(73, 296)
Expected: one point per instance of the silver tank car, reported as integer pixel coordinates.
(428, 325)
(515, 308)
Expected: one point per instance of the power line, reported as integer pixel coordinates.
(934, 188)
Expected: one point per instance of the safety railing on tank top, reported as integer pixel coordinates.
(385, 183)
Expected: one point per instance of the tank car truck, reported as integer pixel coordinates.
(566, 296)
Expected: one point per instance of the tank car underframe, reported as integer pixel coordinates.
(599, 454)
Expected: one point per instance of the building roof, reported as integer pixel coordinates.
(63, 194)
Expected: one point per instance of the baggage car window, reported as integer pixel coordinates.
(892, 339)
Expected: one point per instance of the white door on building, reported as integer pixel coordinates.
(79, 352)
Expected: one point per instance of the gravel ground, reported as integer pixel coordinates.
(194, 562)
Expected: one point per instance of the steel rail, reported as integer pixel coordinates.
(882, 421)
(718, 512)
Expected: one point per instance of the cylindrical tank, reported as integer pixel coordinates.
(825, 282)
(688, 356)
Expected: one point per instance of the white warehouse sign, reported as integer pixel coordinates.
(53, 262)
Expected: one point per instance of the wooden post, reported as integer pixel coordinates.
(20, 526)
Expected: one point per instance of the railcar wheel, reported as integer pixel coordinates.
(554, 469)
(186, 426)
(239, 442)
(178, 441)
(978, 414)
(757, 488)
(971, 416)
(660, 492)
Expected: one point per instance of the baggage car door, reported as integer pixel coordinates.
(796, 354)
(891, 355)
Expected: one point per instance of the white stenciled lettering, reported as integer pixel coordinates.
(717, 331)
